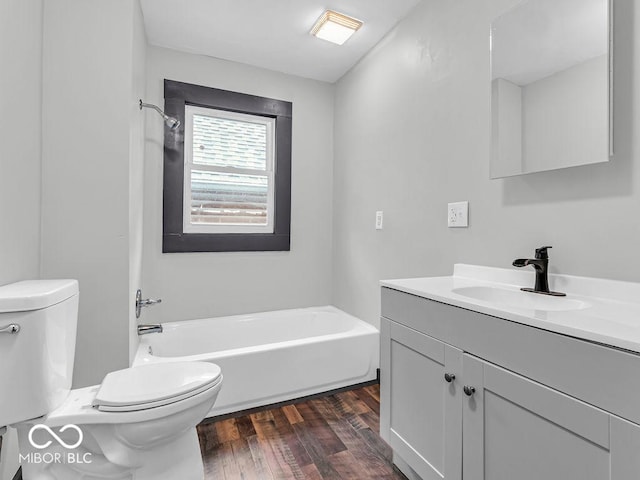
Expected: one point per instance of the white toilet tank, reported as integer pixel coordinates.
(38, 320)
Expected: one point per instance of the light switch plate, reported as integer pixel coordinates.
(458, 214)
(379, 219)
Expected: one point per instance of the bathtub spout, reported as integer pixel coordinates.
(145, 329)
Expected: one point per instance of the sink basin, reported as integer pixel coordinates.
(520, 299)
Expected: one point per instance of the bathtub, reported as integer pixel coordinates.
(273, 356)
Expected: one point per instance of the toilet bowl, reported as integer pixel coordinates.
(138, 424)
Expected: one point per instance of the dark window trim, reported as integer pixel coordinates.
(176, 96)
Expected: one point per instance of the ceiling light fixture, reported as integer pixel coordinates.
(335, 27)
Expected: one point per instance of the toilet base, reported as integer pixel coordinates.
(179, 458)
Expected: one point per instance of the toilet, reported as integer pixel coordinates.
(138, 424)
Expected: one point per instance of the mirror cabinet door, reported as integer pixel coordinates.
(550, 86)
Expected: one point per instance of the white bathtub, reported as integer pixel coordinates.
(273, 356)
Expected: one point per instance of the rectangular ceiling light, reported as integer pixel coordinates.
(335, 27)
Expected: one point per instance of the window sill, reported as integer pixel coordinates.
(225, 242)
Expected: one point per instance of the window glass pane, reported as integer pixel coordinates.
(228, 199)
(222, 142)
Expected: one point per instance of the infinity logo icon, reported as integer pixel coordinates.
(56, 437)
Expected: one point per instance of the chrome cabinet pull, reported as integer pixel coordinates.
(449, 377)
(468, 391)
(12, 328)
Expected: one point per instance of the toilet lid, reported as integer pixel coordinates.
(153, 385)
(157, 403)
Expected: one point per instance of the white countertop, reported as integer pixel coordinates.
(611, 315)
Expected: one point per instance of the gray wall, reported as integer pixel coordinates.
(412, 131)
(506, 128)
(196, 285)
(136, 168)
(89, 117)
(565, 117)
(20, 128)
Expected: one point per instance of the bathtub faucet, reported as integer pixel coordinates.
(144, 329)
(147, 302)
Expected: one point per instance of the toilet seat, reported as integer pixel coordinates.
(155, 385)
(78, 409)
(157, 403)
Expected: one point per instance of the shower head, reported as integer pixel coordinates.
(171, 122)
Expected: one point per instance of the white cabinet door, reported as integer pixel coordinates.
(515, 428)
(421, 415)
(625, 450)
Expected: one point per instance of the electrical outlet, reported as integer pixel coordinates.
(379, 218)
(458, 214)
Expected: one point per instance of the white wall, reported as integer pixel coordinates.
(412, 131)
(20, 128)
(195, 285)
(89, 114)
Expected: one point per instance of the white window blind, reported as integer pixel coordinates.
(229, 172)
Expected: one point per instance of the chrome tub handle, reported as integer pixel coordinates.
(147, 302)
(12, 328)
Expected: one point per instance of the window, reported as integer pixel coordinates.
(228, 172)
(227, 186)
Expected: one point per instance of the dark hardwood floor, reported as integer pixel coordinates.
(333, 437)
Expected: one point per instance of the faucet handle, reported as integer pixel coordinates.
(147, 302)
(541, 253)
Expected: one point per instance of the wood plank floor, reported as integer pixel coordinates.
(333, 437)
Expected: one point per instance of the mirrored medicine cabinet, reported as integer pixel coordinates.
(551, 82)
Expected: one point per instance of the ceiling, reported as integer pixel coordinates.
(272, 34)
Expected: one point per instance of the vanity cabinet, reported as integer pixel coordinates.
(517, 428)
(494, 421)
(423, 411)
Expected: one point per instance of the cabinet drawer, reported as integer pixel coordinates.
(602, 376)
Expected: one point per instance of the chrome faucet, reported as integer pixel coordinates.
(144, 329)
(541, 265)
